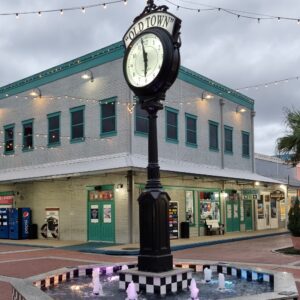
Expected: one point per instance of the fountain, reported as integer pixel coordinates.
(97, 286)
(207, 274)
(194, 290)
(221, 282)
(131, 292)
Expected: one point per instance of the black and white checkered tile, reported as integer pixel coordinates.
(54, 280)
(249, 275)
(156, 285)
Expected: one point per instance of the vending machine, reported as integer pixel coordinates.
(4, 226)
(19, 223)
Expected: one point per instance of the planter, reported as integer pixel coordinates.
(296, 242)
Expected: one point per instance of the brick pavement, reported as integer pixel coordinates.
(22, 262)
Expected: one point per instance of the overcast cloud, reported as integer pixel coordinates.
(234, 52)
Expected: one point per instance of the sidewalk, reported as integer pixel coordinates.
(133, 249)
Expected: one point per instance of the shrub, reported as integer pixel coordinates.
(294, 219)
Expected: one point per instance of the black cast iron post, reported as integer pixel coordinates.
(155, 253)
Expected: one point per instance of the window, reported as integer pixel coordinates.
(77, 124)
(191, 130)
(228, 147)
(108, 117)
(245, 144)
(54, 129)
(27, 135)
(141, 120)
(213, 136)
(172, 124)
(9, 139)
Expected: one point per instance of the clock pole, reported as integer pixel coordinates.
(138, 66)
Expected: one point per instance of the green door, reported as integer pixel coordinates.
(248, 214)
(232, 216)
(101, 216)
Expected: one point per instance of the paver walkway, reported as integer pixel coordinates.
(23, 262)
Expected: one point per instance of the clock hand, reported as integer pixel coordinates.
(145, 57)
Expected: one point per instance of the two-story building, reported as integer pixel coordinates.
(74, 148)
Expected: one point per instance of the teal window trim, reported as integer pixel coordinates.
(24, 123)
(6, 140)
(245, 155)
(50, 131)
(175, 111)
(143, 119)
(112, 117)
(216, 124)
(72, 110)
(192, 131)
(228, 128)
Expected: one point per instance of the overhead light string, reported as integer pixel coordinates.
(239, 14)
(62, 10)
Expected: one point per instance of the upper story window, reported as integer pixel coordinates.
(53, 129)
(27, 135)
(172, 124)
(141, 120)
(245, 144)
(228, 145)
(191, 130)
(213, 135)
(77, 124)
(108, 117)
(9, 139)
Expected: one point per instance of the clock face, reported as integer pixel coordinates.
(144, 60)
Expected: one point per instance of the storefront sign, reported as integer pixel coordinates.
(94, 214)
(101, 195)
(6, 200)
(277, 195)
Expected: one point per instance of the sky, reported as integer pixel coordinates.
(236, 52)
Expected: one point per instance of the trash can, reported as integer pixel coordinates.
(33, 231)
(184, 230)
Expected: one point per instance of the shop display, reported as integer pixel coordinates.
(173, 219)
(189, 207)
(209, 205)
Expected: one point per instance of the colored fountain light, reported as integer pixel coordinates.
(131, 292)
(194, 290)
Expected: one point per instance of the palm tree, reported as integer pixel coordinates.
(289, 145)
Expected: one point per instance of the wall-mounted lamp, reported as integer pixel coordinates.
(240, 109)
(88, 75)
(36, 93)
(119, 186)
(257, 183)
(206, 95)
(130, 107)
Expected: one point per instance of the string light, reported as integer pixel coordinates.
(62, 10)
(237, 13)
(268, 84)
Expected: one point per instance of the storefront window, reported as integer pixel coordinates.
(209, 205)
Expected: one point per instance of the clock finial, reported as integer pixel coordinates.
(150, 8)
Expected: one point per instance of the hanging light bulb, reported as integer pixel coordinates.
(61, 12)
(104, 5)
(40, 13)
(17, 16)
(83, 10)
(125, 2)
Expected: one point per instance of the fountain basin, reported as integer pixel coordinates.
(282, 284)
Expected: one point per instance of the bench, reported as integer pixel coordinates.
(213, 227)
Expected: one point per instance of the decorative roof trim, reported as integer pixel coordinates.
(108, 54)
